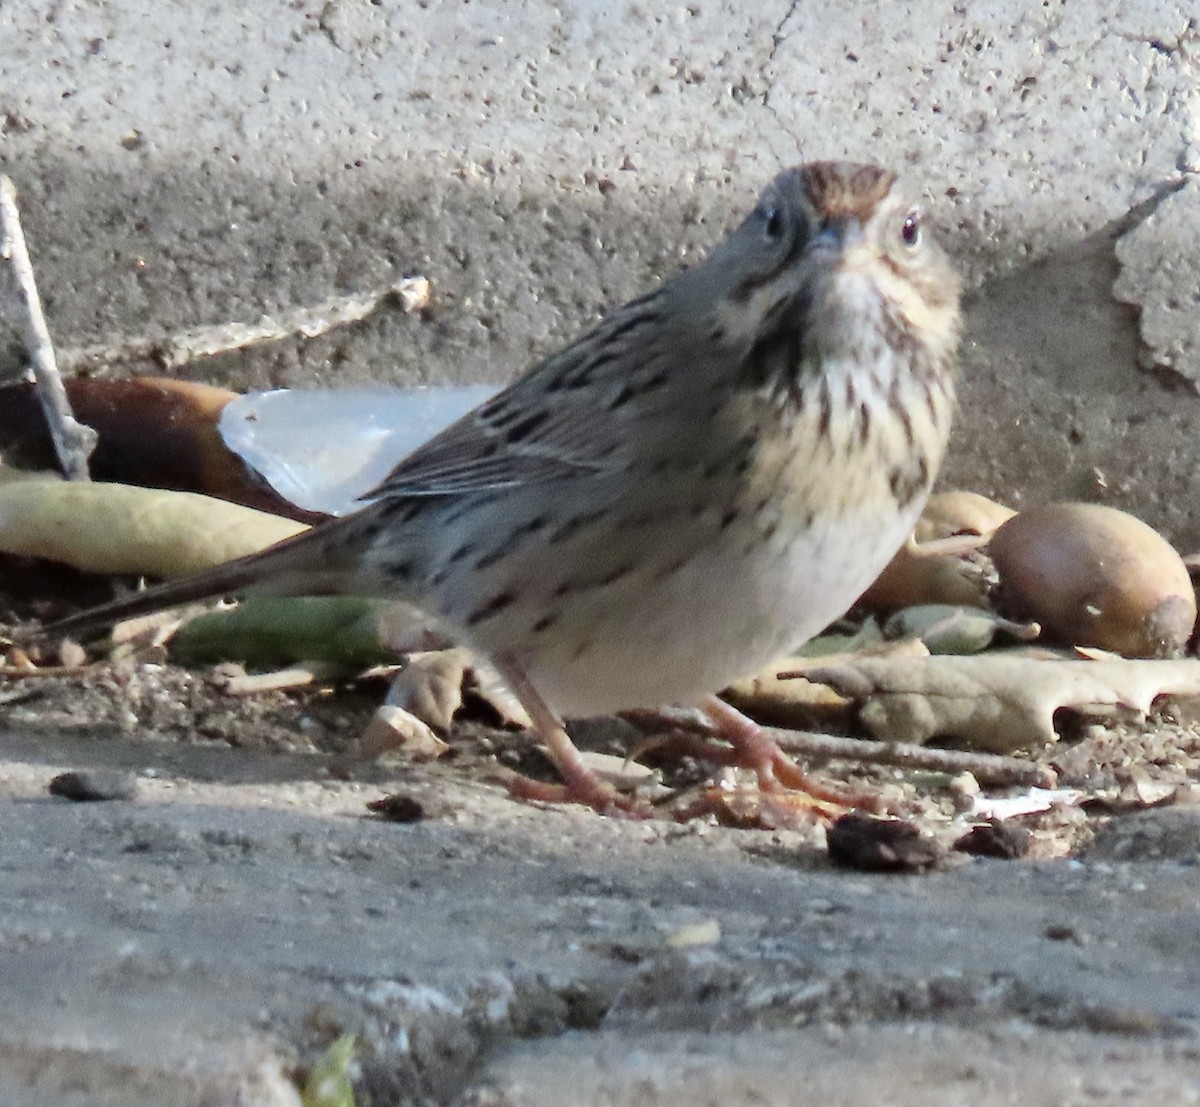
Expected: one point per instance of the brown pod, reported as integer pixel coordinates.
(960, 512)
(912, 578)
(1095, 576)
(157, 432)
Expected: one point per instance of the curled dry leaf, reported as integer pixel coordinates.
(947, 629)
(155, 431)
(490, 687)
(1096, 576)
(799, 702)
(298, 676)
(430, 686)
(937, 574)
(623, 774)
(393, 728)
(959, 512)
(913, 578)
(796, 702)
(995, 702)
(116, 528)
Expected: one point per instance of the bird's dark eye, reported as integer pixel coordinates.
(910, 230)
(772, 222)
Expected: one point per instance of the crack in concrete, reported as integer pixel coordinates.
(778, 37)
(1182, 52)
(1139, 213)
(1168, 376)
(673, 992)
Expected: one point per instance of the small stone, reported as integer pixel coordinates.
(882, 845)
(398, 808)
(71, 654)
(94, 785)
(1007, 840)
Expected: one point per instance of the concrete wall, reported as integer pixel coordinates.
(184, 163)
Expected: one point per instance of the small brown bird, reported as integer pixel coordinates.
(686, 493)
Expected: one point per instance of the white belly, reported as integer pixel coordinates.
(723, 616)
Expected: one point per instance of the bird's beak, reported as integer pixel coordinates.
(838, 240)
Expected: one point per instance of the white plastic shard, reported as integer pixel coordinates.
(323, 449)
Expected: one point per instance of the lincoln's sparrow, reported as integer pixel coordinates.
(684, 494)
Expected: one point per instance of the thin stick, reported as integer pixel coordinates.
(987, 768)
(191, 345)
(73, 442)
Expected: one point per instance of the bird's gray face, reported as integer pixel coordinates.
(831, 252)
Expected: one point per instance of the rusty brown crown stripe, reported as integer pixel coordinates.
(840, 190)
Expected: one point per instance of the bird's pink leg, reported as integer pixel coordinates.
(777, 773)
(580, 783)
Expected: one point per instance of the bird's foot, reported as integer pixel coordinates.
(739, 742)
(587, 789)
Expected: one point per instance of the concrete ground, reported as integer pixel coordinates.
(192, 945)
(185, 164)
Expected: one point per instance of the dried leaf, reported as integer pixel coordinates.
(1031, 802)
(489, 687)
(959, 512)
(860, 642)
(430, 686)
(790, 703)
(995, 701)
(622, 773)
(914, 577)
(950, 629)
(160, 432)
(116, 528)
(298, 676)
(393, 728)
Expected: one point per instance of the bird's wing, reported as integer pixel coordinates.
(560, 419)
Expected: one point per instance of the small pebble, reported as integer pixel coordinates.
(881, 845)
(92, 785)
(398, 808)
(1007, 840)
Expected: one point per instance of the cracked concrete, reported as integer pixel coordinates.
(185, 164)
(191, 946)
(1163, 281)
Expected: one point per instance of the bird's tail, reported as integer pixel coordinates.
(320, 561)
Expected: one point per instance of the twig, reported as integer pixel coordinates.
(184, 347)
(19, 672)
(73, 442)
(282, 680)
(987, 768)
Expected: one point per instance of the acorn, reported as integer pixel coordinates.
(1095, 576)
